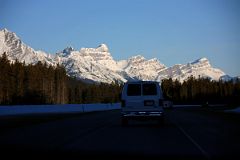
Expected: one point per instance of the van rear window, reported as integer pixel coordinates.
(149, 89)
(134, 90)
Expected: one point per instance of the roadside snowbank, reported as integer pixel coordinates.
(65, 108)
(235, 110)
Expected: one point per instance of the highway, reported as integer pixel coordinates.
(188, 133)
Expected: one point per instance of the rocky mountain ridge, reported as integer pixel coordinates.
(97, 64)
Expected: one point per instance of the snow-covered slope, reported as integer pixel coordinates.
(227, 78)
(53, 109)
(100, 55)
(94, 64)
(16, 49)
(140, 68)
(200, 67)
(97, 64)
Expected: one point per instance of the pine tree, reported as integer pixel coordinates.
(5, 80)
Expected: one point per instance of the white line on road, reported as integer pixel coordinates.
(193, 141)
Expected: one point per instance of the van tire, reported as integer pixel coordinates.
(124, 122)
(161, 121)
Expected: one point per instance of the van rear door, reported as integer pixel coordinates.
(150, 94)
(142, 95)
(134, 94)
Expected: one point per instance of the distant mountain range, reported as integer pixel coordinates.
(97, 64)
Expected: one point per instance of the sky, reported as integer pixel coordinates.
(174, 31)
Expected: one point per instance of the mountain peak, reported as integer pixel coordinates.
(100, 48)
(65, 52)
(137, 57)
(68, 50)
(16, 49)
(103, 48)
(153, 60)
(202, 60)
(200, 64)
(98, 65)
(4, 30)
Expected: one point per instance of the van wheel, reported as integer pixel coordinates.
(124, 122)
(161, 121)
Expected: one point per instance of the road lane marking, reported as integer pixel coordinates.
(193, 141)
(71, 144)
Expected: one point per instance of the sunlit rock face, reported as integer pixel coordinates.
(97, 64)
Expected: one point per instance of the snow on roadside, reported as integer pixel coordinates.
(235, 110)
(65, 108)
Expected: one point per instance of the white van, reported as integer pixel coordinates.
(142, 100)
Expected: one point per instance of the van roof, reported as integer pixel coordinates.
(141, 82)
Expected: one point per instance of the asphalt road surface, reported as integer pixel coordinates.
(188, 133)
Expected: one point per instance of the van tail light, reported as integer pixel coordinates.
(123, 103)
(160, 102)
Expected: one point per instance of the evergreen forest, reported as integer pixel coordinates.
(43, 84)
(202, 91)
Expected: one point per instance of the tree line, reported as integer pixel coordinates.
(44, 84)
(201, 91)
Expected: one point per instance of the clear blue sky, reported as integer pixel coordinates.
(174, 31)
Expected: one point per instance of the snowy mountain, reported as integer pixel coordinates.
(16, 49)
(91, 64)
(97, 64)
(227, 78)
(200, 67)
(140, 68)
